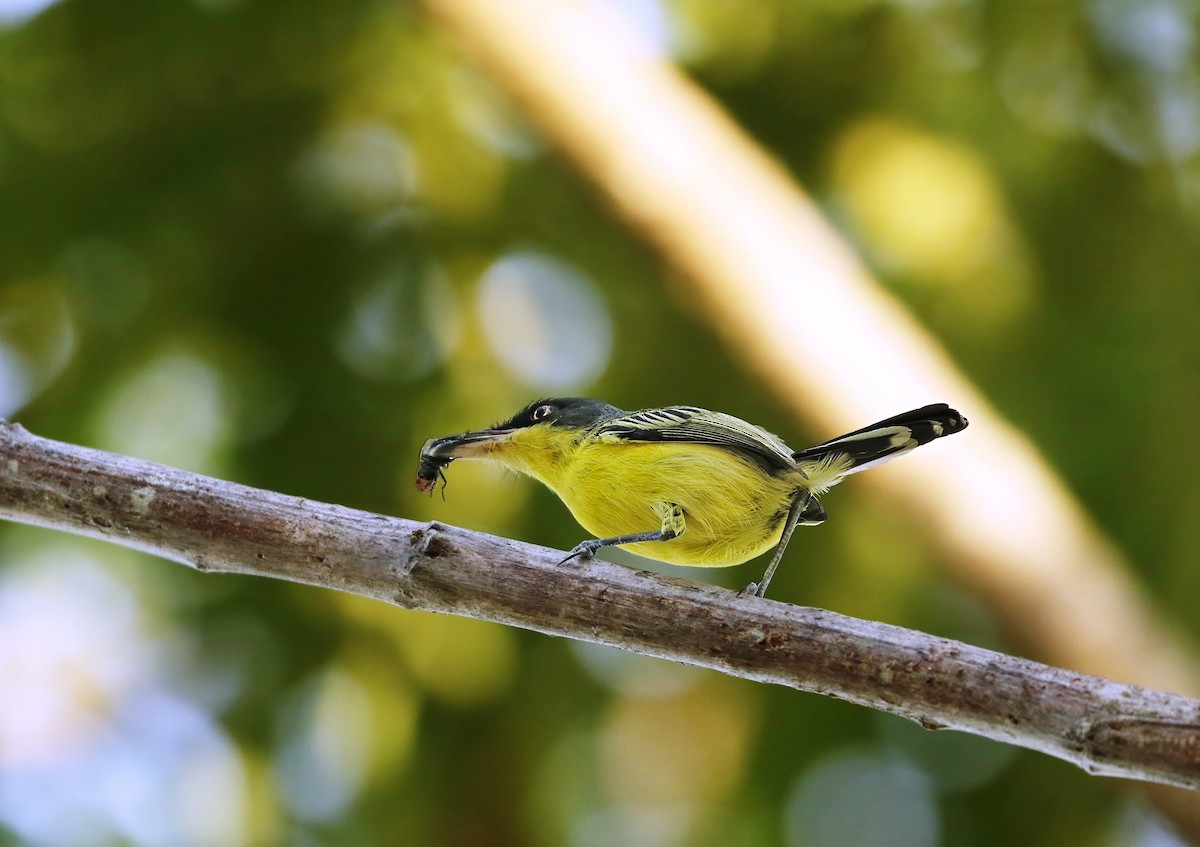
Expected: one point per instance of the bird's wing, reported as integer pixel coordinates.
(693, 425)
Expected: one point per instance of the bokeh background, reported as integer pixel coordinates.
(285, 242)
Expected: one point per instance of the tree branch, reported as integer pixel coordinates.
(1102, 726)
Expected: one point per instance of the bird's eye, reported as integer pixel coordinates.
(543, 411)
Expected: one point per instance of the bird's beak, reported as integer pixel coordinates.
(439, 452)
(468, 445)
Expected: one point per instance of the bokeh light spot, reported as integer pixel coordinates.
(402, 327)
(16, 12)
(37, 341)
(859, 798)
(930, 211)
(175, 409)
(545, 320)
(632, 674)
(955, 761)
(323, 761)
(463, 662)
(666, 762)
(94, 748)
(363, 169)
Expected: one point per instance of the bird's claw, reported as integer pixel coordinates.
(583, 551)
(751, 590)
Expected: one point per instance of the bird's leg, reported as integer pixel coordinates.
(806, 510)
(673, 525)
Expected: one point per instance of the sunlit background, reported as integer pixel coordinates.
(285, 242)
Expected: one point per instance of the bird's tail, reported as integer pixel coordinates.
(827, 463)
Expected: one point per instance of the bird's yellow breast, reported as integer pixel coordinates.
(733, 510)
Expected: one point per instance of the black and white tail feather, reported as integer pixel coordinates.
(828, 463)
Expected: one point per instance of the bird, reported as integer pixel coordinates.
(681, 484)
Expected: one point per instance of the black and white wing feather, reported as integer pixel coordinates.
(693, 425)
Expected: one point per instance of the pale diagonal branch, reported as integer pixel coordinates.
(1104, 727)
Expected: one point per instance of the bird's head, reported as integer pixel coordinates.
(529, 440)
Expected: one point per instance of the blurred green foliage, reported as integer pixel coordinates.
(285, 243)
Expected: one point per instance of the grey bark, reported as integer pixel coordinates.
(221, 527)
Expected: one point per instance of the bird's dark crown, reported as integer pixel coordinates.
(566, 412)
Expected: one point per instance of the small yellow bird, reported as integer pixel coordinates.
(681, 484)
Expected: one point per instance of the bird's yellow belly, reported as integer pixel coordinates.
(732, 510)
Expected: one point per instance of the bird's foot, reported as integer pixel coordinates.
(583, 551)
